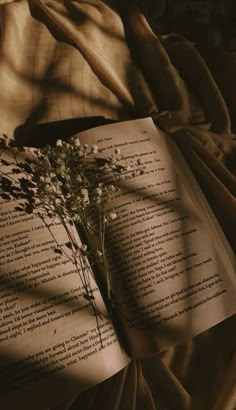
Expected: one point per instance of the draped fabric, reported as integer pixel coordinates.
(69, 65)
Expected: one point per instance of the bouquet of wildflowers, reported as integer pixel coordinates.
(74, 184)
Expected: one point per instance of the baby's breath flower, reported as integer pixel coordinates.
(80, 154)
(94, 149)
(59, 143)
(84, 192)
(47, 189)
(78, 178)
(112, 216)
(77, 218)
(75, 141)
(37, 201)
(84, 248)
(85, 201)
(62, 155)
(70, 184)
(98, 191)
(98, 200)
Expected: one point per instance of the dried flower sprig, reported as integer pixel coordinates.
(74, 184)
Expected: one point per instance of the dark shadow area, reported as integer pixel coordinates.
(207, 22)
(27, 373)
(41, 134)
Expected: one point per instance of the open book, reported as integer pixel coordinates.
(172, 274)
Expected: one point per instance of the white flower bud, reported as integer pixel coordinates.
(98, 191)
(84, 247)
(63, 155)
(59, 143)
(75, 141)
(84, 192)
(85, 200)
(94, 149)
(78, 178)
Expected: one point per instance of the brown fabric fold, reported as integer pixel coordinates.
(166, 84)
(199, 80)
(208, 163)
(215, 149)
(222, 64)
(81, 23)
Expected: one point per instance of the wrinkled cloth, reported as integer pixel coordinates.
(70, 65)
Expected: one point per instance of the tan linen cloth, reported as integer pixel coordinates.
(63, 61)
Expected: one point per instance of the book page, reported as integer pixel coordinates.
(51, 344)
(172, 270)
